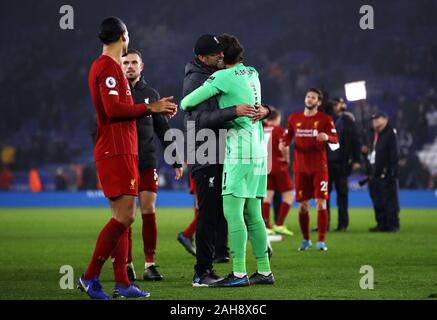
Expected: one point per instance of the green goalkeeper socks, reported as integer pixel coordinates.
(236, 210)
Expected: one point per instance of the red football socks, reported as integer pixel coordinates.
(129, 245)
(150, 235)
(266, 213)
(119, 258)
(283, 212)
(322, 223)
(191, 229)
(304, 222)
(106, 242)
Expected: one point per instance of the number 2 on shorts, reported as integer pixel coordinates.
(323, 186)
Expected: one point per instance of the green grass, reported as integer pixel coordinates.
(35, 243)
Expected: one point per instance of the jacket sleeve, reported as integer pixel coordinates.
(216, 119)
(393, 154)
(161, 126)
(110, 98)
(355, 141)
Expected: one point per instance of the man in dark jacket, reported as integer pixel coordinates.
(147, 127)
(343, 160)
(211, 224)
(383, 158)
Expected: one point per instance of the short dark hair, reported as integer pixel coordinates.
(318, 91)
(233, 50)
(111, 29)
(135, 51)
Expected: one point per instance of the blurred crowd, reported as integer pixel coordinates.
(47, 112)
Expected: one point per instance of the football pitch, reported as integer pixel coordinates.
(36, 243)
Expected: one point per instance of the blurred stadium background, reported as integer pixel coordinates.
(47, 115)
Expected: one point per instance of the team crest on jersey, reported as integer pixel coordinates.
(110, 82)
(316, 124)
(132, 184)
(211, 182)
(299, 124)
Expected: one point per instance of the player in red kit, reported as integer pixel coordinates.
(278, 178)
(311, 131)
(116, 155)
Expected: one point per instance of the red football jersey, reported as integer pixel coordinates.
(116, 111)
(310, 154)
(273, 135)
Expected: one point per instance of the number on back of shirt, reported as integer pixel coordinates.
(323, 186)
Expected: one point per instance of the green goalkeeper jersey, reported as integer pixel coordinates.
(237, 85)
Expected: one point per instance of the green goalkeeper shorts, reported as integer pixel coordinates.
(245, 178)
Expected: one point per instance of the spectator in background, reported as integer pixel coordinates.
(342, 161)
(89, 177)
(412, 173)
(431, 118)
(383, 155)
(6, 178)
(61, 181)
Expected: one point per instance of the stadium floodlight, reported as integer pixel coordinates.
(355, 91)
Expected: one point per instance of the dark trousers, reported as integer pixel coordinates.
(211, 229)
(338, 179)
(385, 197)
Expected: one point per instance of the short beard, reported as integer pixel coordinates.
(311, 107)
(131, 78)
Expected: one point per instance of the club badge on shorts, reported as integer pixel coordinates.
(132, 184)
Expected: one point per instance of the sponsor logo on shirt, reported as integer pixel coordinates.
(309, 133)
(110, 82)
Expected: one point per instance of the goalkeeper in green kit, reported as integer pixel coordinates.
(245, 165)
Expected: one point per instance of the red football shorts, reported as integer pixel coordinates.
(119, 175)
(279, 181)
(311, 185)
(192, 185)
(149, 180)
